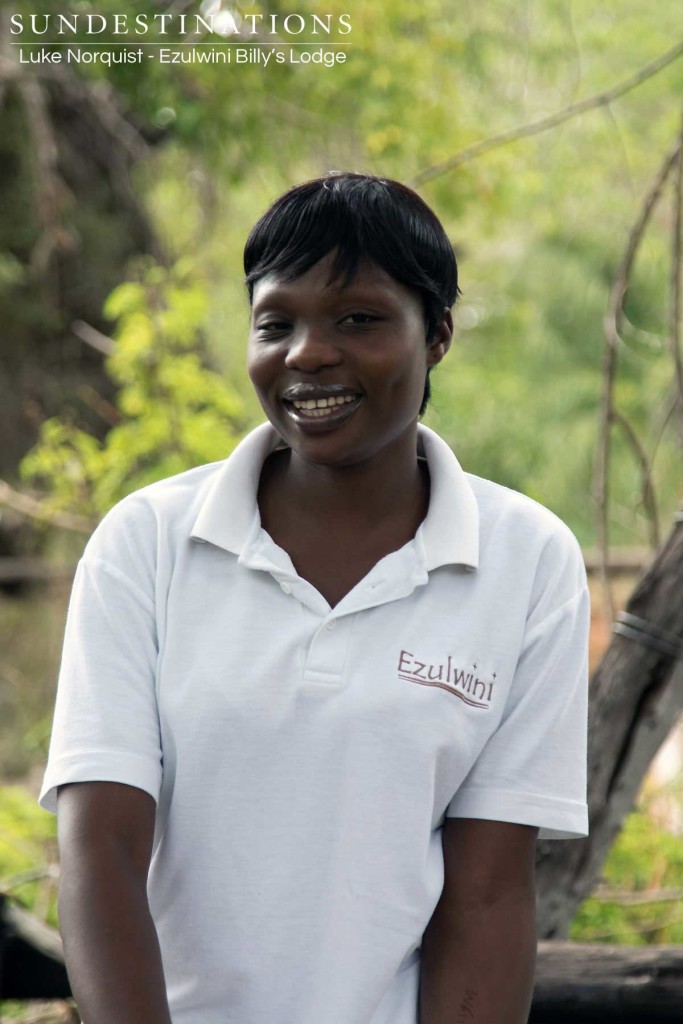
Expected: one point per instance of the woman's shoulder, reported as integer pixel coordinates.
(496, 499)
(521, 528)
(520, 522)
(133, 527)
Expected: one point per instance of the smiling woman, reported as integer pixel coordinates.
(318, 699)
(313, 339)
(352, 219)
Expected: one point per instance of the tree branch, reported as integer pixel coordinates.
(612, 325)
(29, 506)
(91, 336)
(51, 871)
(51, 190)
(543, 124)
(606, 894)
(675, 286)
(95, 401)
(648, 494)
(666, 413)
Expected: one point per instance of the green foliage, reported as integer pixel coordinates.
(174, 413)
(644, 857)
(11, 271)
(28, 847)
(539, 225)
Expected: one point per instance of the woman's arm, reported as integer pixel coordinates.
(111, 949)
(479, 948)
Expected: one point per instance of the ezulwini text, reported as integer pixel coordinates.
(227, 23)
(463, 683)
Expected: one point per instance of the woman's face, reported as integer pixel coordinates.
(358, 352)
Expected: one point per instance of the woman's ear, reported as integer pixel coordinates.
(441, 342)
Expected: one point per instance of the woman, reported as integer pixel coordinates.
(317, 700)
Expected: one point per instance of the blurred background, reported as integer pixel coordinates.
(126, 194)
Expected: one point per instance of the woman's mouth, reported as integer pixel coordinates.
(322, 414)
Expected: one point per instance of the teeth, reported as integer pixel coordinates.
(324, 403)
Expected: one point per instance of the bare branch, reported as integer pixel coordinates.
(675, 286)
(648, 494)
(644, 929)
(21, 569)
(50, 871)
(543, 124)
(612, 324)
(40, 936)
(51, 190)
(92, 337)
(29, 506)
(95, 401)
(103, 99)
(606, 894)
(666, 413)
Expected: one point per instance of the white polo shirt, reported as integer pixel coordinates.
(303, 757)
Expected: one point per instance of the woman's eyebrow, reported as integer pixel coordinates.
(366, 293)
(357, 291)
(273, 298)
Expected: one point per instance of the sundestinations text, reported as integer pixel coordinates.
(228, 23)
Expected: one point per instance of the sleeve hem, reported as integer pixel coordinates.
(130, 769)
(556, 819)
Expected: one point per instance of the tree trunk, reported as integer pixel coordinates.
(70, 223)
(31, 956)
(577, 984)
(636, 696)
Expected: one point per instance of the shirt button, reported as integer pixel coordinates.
(286, 587)
(331, 625)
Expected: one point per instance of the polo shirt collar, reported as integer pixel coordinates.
(448, 535)
(450, 531)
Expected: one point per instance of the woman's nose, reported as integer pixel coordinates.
(310, 348)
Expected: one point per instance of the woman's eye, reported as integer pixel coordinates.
(272, 326)
(360, 318)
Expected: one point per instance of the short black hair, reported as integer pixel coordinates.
(361, 217)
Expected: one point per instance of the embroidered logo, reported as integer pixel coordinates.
(463, 683)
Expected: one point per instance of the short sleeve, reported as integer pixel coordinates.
(106, 723)
(532, 770)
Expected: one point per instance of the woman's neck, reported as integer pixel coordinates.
(392, 486)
